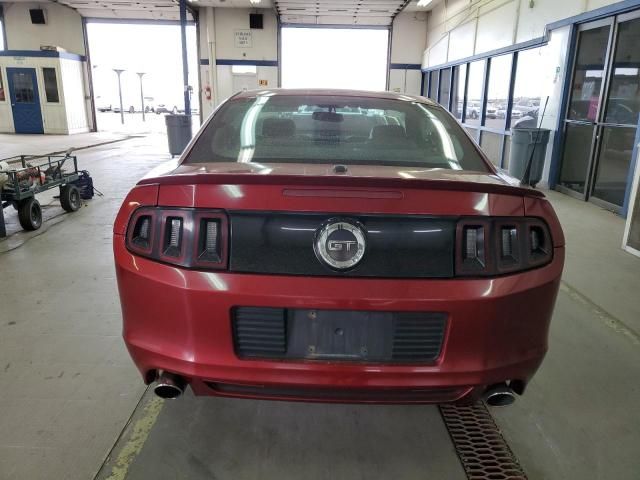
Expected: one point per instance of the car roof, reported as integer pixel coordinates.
(334, 92)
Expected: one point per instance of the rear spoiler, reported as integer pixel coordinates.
(339, 181)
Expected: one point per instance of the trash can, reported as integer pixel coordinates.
(178, 132)
(523, 141)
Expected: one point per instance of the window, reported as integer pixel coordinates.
(23, 87)
(474, 92)
(335, 129)
(491, 144)
(527, 89)
(459, 83)
(589, 70)
(498, 92)
(51, 85)
(623, 104)
(488, 84)
(2, 47)
(433, 85)
(445, 86)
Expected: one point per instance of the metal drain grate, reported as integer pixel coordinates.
(483, 451)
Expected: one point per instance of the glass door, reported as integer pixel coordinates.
(584, 106)
(616, 133)
(602, 115)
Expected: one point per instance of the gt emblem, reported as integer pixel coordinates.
(335, 245)
(340, 244)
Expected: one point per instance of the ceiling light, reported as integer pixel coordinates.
(254, 2)
(424, 3)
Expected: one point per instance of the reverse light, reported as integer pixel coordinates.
(474, 244)
(509, 239)
(142, 232)
(539, 247)
(208, 249)
(173, 241)
(190, 238)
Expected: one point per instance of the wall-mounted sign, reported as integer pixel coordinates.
(243, 38)
(263, 83)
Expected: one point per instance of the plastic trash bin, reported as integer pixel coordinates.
(178, 132)
(523, 141)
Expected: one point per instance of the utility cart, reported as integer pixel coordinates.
(27, 176)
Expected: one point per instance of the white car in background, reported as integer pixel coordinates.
(473, 110)
(164, 108)
(516, 113)
(492, 110)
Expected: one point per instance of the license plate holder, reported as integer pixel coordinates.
(340, 335)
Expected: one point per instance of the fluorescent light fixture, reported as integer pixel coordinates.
(424, 3)
(254, 2)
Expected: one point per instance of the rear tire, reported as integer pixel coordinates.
(30, 214)
(70, 198)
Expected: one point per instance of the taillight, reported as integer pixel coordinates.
(495, 246)
(191, 238)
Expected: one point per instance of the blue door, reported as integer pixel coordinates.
(25, 101)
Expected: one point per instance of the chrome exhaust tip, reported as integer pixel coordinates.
(169, 386)
(499, 395)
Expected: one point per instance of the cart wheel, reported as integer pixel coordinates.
(70, 198)
(30, 214)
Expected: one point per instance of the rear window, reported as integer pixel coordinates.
(272, 128)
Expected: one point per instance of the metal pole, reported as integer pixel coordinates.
(119, 72)
(140, 75)
(185, 65)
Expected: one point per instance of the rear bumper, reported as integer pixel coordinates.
(179, 321)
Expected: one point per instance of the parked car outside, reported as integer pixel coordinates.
(492, 110)
(127, 109)
(473, 110)
(298, 252)
(162, 108)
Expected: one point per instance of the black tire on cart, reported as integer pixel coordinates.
(70, 198)
(30, 214)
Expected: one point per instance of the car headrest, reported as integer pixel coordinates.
(385, 133)
(278, 127)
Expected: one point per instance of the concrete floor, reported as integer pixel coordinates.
(68, 388)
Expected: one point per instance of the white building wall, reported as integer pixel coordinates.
(408, 37)
(72, 74)
(63, 27)
(462, 28)
(6, 115)
(218, 27)
(264, 42)
(408, 40)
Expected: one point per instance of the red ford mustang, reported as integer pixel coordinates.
(336, 246)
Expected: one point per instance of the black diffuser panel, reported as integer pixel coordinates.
(255, 21)
(37, 16)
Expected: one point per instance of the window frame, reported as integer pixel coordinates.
(44, 85)
(3, 85)
(482, 126)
